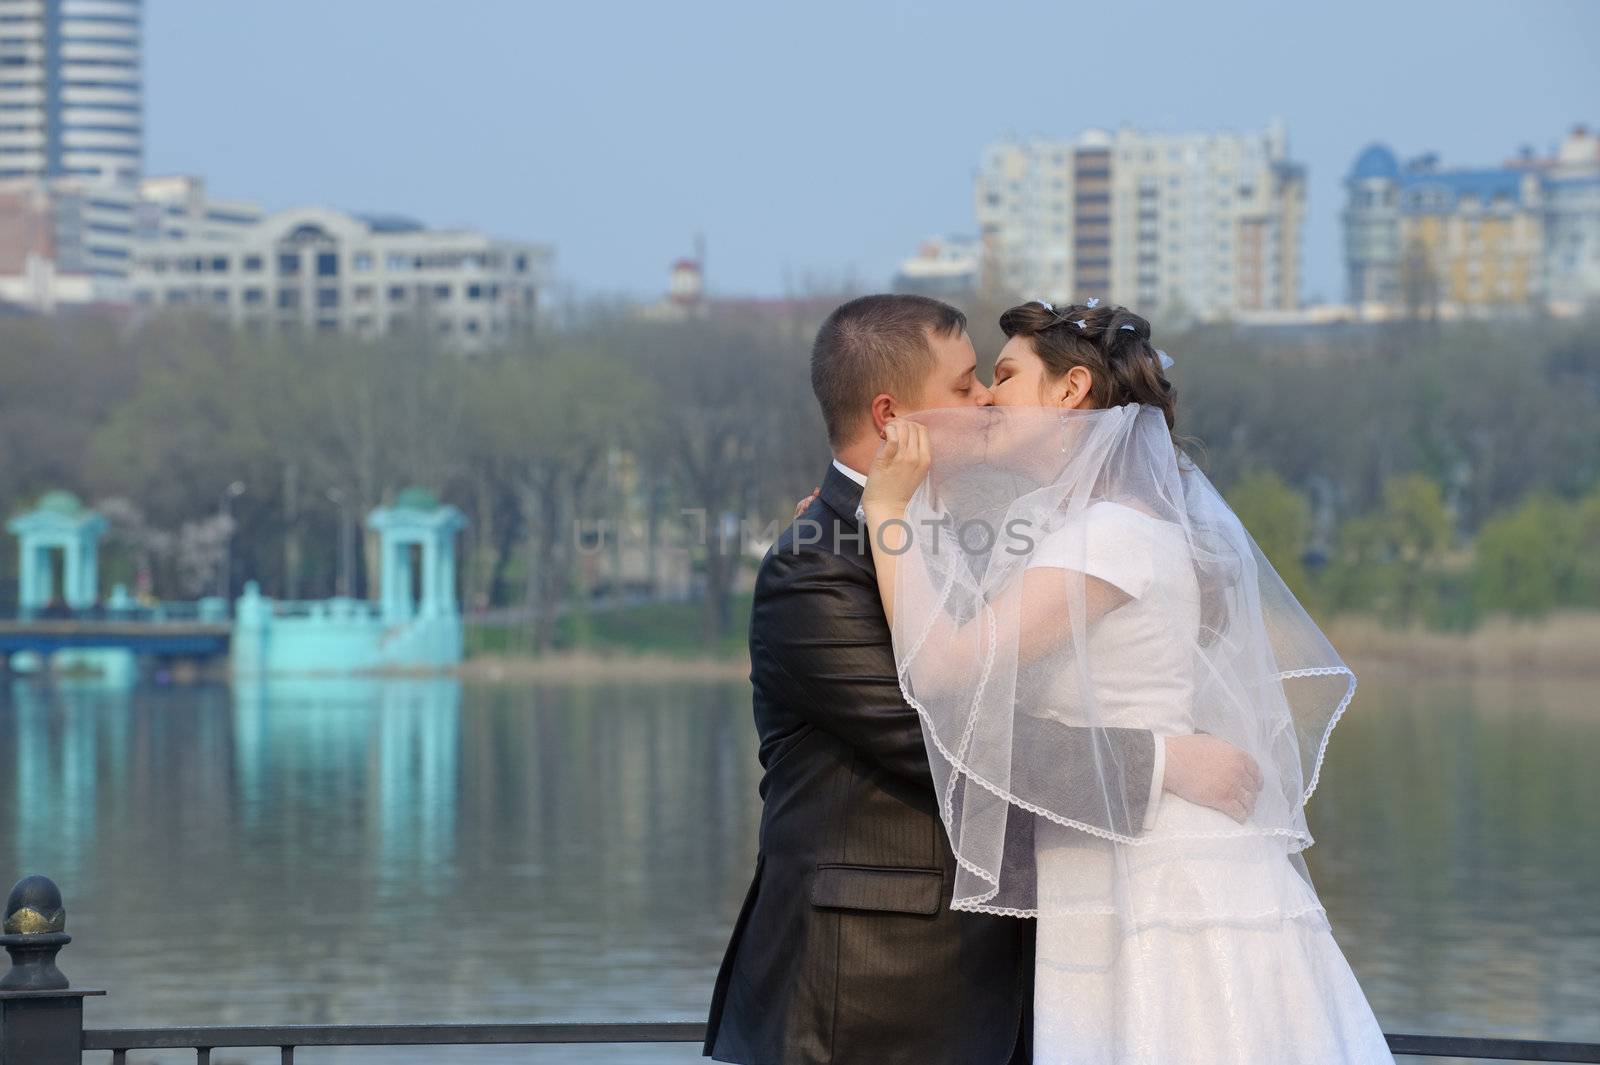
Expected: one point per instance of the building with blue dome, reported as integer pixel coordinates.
(1425, 239)
(1372, 229)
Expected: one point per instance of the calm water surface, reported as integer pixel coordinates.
(383, 851)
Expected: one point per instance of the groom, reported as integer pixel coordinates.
(846, 950)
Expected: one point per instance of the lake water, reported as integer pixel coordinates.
(421, 850)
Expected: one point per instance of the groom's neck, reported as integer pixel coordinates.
(858, 455)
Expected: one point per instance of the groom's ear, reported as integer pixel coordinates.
(884, 408)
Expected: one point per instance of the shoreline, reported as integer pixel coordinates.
(1563, 646)
(586, 667)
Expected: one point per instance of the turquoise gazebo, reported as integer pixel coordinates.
(418, 527)
(415, 624)
(59, 523)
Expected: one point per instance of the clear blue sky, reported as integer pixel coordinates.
(818, 139)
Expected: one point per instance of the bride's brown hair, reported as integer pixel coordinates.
(1112, 343)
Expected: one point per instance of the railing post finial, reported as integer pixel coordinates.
(41, 1018)
(35, 931)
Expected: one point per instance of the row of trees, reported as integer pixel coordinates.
(1377, 466)
(1424, 473)
(152, 425)
(1404, 562)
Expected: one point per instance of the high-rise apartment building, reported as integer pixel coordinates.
(71, 94)
(1204, 225)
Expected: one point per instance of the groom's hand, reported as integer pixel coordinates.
(1212, 772)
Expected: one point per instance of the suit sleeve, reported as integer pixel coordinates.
(817, 630)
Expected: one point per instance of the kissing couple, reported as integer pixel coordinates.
(1038, 723)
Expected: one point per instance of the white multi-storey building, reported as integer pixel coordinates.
(71, 96)
(166, 244)
(1205, 225)
(314, 268)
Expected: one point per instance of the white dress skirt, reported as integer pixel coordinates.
(1234, 963)
(1198, 945)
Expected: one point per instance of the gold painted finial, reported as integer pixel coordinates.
(35, 908)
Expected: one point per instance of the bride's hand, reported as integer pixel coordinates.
(800, 507)
(1211, 772)
(900, 466)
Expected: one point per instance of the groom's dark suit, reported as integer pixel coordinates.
(846, 950)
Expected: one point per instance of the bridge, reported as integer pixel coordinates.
(156, 639)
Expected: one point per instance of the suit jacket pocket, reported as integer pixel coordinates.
(875, 887)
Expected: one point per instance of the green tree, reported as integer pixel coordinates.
(1418, 529)
(1527, 561)
(1279, 518)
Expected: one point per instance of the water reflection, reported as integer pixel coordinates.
(1458, 853)
(399, 850)
(398, 739)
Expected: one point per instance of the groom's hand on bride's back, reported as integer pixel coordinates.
(1212, 772)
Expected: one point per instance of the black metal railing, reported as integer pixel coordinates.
(41, 1016)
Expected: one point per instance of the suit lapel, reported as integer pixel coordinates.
(842, 497)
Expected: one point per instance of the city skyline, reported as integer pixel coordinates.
(842, 149)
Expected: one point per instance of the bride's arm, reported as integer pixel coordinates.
(1044, 620)
(1203, 769)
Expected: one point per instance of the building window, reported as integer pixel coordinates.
(474, 291)
(397, 293)
(441, 292)
(327, 264)
(289, 264)
(327, 325)
(288, 298)
(327, 297)
(253, 297)
(361, 294)
(361, 262)
(219, 265)
(522, 264)
(251, 264)
(219, 296)
(472, 325)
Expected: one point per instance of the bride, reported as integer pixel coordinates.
(1058, 555)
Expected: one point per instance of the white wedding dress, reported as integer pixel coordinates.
(1199, 945)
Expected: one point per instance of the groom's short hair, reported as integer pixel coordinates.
(872, 345)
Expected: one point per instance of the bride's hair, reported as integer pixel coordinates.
(1112, 343)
